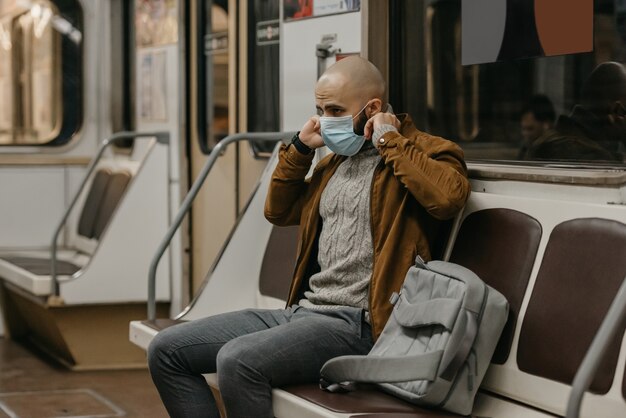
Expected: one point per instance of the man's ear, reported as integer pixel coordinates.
(375, 106)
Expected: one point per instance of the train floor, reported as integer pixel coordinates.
(33, 387)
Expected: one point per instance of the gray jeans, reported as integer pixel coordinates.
(252, 351)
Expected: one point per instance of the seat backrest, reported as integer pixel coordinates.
(582, 269)
(500, 246)
(110, 200)
(93, 201)
(278, 262)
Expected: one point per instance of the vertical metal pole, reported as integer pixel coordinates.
(595, 354)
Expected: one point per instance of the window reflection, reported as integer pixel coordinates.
(485, 108)
(6, 82)
(213, 74)
(39, 77)
(595, 129)
(263, 76)
(217, 61)
(156, 22)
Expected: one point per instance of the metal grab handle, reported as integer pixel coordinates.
(191, 195)
(595, 354)
(161, 137)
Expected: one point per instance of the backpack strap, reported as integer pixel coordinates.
(374, 369)
(463, 349)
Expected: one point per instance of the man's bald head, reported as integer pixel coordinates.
(356, 77)
(606, 85)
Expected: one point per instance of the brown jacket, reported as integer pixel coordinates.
(421, 179)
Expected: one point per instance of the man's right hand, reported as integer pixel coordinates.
(310, 134)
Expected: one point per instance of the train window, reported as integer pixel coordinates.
(122, 68)
(40, 72)
(213, 73)
(535, 109)
(263, 50)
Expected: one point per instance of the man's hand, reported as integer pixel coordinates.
(380, 119)
(310, 134)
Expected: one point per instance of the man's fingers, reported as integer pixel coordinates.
(367, 130)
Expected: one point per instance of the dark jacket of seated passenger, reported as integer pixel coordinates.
(580, 136)
(420, 180)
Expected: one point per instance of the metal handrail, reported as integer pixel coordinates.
(191, 195)
(595, 354)
(162, 137)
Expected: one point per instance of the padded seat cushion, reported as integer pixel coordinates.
(92, 203)
(41, 266)
(366, 399)
(278, 262)
(582, 269)
(500, 246)
(114, 193)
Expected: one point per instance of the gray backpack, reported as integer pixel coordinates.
(437, 343)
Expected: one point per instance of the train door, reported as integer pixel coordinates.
(212, 81)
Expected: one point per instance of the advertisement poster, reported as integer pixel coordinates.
(302, 9)
(512, 29)
(152, 87)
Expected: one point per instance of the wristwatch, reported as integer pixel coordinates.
(299, 145)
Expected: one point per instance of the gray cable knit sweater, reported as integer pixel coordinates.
(345, 245)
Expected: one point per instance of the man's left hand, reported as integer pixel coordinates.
(380, 119)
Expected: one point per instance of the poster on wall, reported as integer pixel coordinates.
(512, 29)
(302, 9)
(152, 86)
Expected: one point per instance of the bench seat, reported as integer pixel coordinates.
(548, 255)
(31, 270)
(304, 401)
(310, 400)
(367, 399)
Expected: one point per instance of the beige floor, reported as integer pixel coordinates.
(33, 387)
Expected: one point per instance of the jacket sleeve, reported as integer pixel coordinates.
(288, 187)
(431, 168)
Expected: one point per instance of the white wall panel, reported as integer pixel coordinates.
(32, 201)
(299, 62)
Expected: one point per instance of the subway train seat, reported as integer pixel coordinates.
(32, 273)
(101, 285)
(531, 250)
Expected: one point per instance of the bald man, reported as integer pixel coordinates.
(596, 128)
(368, 210)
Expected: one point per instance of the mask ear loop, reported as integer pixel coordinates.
(362, 109)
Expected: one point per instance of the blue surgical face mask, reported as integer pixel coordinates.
(338, 134)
